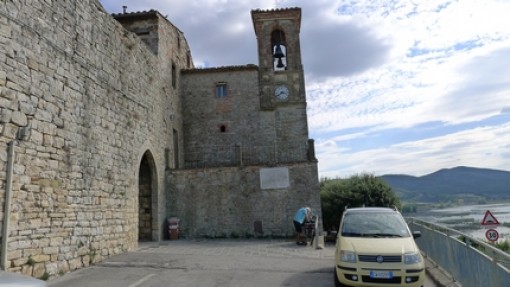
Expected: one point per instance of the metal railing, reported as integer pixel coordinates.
(238, 155)
(471, 262)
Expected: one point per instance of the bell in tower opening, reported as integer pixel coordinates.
(279, 50)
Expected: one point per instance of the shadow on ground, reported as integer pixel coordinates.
(322, 277)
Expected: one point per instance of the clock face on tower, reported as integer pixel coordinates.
(281, 93)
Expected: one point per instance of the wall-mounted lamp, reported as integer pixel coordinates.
(24, 133)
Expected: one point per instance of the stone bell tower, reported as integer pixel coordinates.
(281, 76)
(279, 51)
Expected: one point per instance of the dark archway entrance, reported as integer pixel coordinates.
(146, 187)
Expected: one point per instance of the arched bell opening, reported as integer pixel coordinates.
(279, 50)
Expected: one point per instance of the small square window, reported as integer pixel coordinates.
(221, 90)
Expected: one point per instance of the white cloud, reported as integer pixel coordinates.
(473, 147)
(376, 66)
(458, 78)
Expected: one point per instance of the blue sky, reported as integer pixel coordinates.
(393, 86)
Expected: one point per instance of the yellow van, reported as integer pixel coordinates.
(375, 247)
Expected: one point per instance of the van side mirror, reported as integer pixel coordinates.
(416, 234)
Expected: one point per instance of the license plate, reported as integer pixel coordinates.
(381, 274)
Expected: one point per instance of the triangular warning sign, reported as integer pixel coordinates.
(489, 219)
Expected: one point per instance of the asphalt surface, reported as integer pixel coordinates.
(213, 263)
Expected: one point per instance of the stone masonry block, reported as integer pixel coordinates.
(5, 115)
(40, 258)
(14, 254)
(3, 78)
(51, 268)
(27, 270)
(75, 263)
(39, 269)
(19, 118)
(50, 250)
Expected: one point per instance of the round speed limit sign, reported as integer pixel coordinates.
(492, 235)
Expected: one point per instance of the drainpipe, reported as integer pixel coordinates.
(7, 207)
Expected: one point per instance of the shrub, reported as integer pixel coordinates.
(356, 191)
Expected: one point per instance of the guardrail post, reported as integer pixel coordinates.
(470, 261)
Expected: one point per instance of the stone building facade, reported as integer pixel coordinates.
(107, 129)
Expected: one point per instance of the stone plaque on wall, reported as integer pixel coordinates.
(274, 178)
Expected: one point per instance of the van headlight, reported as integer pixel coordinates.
(412, 258)
(347, 256)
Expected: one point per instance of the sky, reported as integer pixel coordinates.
(393, 86)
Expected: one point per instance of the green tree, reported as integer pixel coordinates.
(356, 191)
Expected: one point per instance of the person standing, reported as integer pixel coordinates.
(302, 215)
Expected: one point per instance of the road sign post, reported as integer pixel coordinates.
(491, 223)
(489, 219)
(492, 235)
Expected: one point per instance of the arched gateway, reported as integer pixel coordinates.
(147, 197)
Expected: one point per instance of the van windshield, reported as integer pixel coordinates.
(374, 224)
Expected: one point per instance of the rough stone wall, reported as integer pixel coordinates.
(228, 202)
(94, 100)
(229, 140)
(271, 135)
(204, 113)
(169, 44)
(103, 110)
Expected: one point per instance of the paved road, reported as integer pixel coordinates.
(211, 263)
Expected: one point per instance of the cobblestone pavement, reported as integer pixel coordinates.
(211, 263)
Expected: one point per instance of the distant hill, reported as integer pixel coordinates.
(467, 184)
